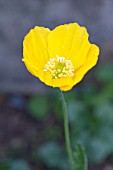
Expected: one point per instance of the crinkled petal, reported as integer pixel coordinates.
(69, 41)
(91, 61)
(47, 79)
(46, 76)
(35, 51)
(66, 88)
(36, 56)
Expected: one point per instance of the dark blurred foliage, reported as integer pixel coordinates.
(32, 135)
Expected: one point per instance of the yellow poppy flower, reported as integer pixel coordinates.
(59, 57)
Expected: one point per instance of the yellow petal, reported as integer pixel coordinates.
(35, 48)
(65, 88)
(91, 61)
(46, 78)
(36, 56)
(69, 41)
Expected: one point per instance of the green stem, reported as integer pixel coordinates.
(67, 136)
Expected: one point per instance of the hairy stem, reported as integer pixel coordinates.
(66, 129)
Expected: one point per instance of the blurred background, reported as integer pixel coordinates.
(31, 121)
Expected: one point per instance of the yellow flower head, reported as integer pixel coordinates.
(61, 57)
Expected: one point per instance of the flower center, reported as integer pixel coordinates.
(59, 67)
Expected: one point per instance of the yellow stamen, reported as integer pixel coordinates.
(59, 67)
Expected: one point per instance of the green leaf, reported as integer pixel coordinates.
(105, 72)
(99, 150)
(104, 113)
(51, 133)
(19, 165)
(38, 107)
(4, 165)
(80, 158)
(52, 155)
(75, 110)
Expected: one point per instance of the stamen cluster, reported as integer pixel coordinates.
(59, 67)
